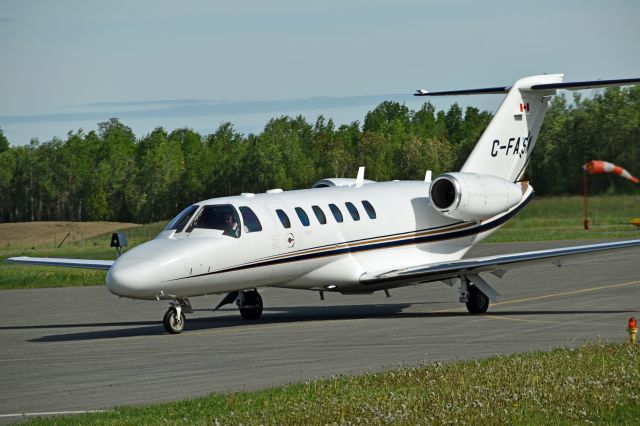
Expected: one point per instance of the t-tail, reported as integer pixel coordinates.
(488, 184)
(505, 147)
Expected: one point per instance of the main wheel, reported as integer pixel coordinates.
(478, 302)
(172, 323)
(251, 307)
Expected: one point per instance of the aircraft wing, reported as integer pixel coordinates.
(69, 263)
(497, 264)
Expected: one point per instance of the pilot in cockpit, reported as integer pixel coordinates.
(231, 226)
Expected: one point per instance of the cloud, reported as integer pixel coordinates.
(169, 102)
(201, 108)
(7, 21)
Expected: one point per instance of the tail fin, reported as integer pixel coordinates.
(505, 146)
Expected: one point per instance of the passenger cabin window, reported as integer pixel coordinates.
(353, 211)
(302, 215)
(283, 218)
(371, 212)
(251, 221)
(180, 221)
(222, 217)
(336, 213)
(319, 215)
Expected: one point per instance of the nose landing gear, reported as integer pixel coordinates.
(174, 319)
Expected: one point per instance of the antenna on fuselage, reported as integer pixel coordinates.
(360, 177)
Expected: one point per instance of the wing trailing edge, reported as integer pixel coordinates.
(496, 263)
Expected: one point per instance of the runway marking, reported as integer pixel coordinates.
(567, 293)
(549, 296)
(523, 319)
(51, 413)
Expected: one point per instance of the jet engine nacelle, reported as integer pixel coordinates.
(471, 196)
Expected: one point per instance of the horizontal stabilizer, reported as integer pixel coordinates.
(595, 84)
(483, 91)
(68, 263)
(576, 85)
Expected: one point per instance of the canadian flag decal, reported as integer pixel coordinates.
(524, 107)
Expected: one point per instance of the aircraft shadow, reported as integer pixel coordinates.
(279, 315)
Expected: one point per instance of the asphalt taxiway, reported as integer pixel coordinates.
(83, 349)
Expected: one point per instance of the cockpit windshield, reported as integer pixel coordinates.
(222, 217)
(180, 221)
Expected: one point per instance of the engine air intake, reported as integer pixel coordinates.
(443, 193)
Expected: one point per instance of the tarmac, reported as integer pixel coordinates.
(78, 349)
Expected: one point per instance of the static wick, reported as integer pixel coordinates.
(632, 328)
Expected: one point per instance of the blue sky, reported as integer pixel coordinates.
(69, 64)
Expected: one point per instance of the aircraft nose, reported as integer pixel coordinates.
(136, 278)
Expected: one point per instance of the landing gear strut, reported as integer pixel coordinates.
(174, 319)
(250, 304)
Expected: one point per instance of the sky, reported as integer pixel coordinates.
(69, 64)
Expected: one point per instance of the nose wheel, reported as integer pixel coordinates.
(174, 319)
(250, 305)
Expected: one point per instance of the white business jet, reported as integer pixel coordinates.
(353, 235)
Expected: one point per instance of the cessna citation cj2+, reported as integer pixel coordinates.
(353, 235)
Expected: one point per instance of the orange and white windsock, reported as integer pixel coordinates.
(595, 167)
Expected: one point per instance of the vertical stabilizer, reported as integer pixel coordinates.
(505, 146)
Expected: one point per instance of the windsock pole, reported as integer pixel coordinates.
(585, 193)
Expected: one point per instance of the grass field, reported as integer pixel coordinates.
(552, 218)
(95, 247)
(561, 218)
(596, 383)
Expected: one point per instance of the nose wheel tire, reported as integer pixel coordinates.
(173, 323)
(250, 305)
(478, 302)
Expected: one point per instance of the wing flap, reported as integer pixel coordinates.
(496, 263)
(68, 263)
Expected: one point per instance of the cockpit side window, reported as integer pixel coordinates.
(251, 221)
(180, 221)
(223, 217)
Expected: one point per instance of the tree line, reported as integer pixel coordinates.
(111, 174)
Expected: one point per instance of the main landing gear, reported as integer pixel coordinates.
(250, 305)
(476, 301)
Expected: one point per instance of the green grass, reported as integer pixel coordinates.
(21, 276)
(544, 219)
(560, 218)
(596, 383)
